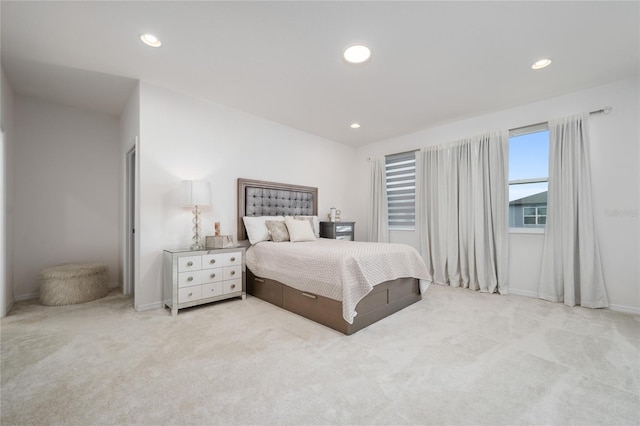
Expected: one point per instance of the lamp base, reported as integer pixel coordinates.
(196, 230)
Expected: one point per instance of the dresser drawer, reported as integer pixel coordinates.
(212, 261)
(232, 272)
(344, 237)
(186, 279)
(188, 294)
(212, 289)
(231, 259)
(220, 260)
(232, 286)
(210, 275)
(189, 263)
(344, 228)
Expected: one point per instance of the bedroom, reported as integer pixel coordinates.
(185, 136)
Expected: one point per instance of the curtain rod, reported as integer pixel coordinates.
(605, 110)
(397, 153)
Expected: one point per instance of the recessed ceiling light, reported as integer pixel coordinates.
(542, 63)
(150, 40)
(355, 126)
(357, 53)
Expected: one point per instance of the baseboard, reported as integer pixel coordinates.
(148, 306)
(21, 297)
(10, 305)
(157, 305)
(612, 306)
(625, 309)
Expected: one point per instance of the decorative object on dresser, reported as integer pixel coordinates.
(195, 277)
(218, 241)
(70, 284)
(332, 214)
(338, 230)
(196, 193)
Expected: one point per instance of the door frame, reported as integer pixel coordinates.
(3, 228)
(132, 222)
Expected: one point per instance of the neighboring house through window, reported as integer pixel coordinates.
(401, 190)
(528, 212)
(528, 176)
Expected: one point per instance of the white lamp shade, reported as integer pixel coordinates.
(196, 193)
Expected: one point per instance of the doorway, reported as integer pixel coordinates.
(3, 239)
(131, 206)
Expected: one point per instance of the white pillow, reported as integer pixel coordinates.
(316, 223)
(299, 230)
(256, 227)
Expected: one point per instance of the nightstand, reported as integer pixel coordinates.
(338, 230)
(194, 277)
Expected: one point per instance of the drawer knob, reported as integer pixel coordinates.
(212, 261)
(233, 259)
(190, 279)
(190, 294)
(233, 286)
(189, 263)
(233, 272)
(212, 275)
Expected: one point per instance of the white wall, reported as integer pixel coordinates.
(615, 173)
(67, 169)
(187, 138)
(6, 257)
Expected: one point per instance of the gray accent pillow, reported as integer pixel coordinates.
(277, 230)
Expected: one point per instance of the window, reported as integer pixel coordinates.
(401, 190)
(528, 176)
(534, 215)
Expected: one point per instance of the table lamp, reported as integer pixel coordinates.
(196, 193)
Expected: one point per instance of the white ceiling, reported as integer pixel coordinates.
(432, 62)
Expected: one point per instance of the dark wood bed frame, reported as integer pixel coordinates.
(385, 298)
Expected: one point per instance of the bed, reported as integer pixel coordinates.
(347, 295)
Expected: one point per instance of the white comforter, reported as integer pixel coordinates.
(341, 270)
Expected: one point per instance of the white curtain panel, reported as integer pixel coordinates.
(571, 267)
(378, 215)
(462, 201)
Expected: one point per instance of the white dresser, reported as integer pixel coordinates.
(194, 277)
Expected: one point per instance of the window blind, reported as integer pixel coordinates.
(401, 189)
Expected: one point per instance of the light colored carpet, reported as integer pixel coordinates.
(456, 357)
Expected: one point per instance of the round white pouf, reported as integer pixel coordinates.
(73, 283)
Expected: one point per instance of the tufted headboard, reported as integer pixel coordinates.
(260, 198)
